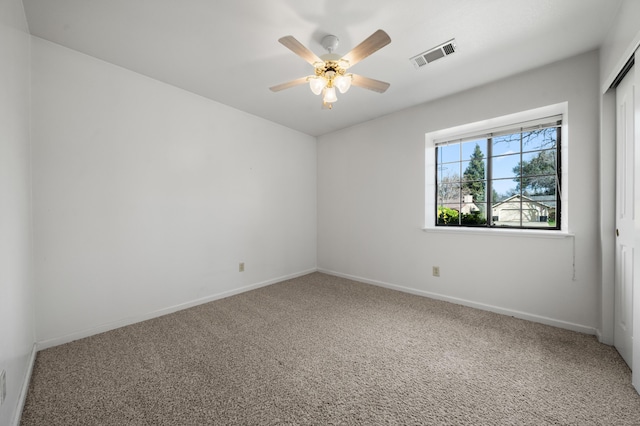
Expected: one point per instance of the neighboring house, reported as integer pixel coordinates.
(508, 210)
(466, 206)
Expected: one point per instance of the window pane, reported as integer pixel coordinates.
(474, 170)
(539, 172)
(448, 153)
(539, 139)
(507, 212)
(475, 191)
(476, 148)
(507, 144)
(448, 214)
(449, 194)
(539, 163)
(449, 172)
(507, 166)
(550, 202)
(473, 214)
(549, 199)
(502, 189)
(548, 206)
(474, 173)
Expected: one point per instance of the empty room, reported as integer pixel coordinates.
(336, 212)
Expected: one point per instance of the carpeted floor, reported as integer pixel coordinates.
(321, 350)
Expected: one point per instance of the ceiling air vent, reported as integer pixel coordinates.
(445, 49)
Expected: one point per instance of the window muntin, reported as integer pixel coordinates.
(508, 179)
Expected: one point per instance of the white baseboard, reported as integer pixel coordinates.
(602, 339)
(160, 312)
(496, 309)
(22, 398)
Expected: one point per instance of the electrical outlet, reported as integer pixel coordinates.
(436, 271)
(3, 386)
(241, 267)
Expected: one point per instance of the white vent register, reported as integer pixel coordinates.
(445, 49)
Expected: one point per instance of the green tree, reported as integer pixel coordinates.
(474, 176)
(538, 175)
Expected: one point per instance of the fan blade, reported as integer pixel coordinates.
(369, 83)
(298, 48)
(373, 43)
(292, 83)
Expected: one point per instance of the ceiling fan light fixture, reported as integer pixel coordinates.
(343, 82)
(330, 69)
(330, 95)
(317, 84)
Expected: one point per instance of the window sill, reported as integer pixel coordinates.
(523, 233)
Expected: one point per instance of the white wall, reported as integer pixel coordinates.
(146, 197)
(371, 184)
(16, 293)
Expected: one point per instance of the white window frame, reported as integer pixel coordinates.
(486, 126)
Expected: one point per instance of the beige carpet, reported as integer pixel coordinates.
(321, 350)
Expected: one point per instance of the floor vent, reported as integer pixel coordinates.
(445, 49)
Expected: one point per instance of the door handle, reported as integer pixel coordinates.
(617, 232)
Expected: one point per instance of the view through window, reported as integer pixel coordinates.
(508, 178)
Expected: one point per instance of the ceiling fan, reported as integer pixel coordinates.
(331, 69)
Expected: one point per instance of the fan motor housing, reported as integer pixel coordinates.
(330, 43)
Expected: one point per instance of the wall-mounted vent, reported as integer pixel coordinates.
(445, 49)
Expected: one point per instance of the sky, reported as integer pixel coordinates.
(453, 158)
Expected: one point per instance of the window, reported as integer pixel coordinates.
(507, 177)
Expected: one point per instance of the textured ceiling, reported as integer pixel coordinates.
(227, 50)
